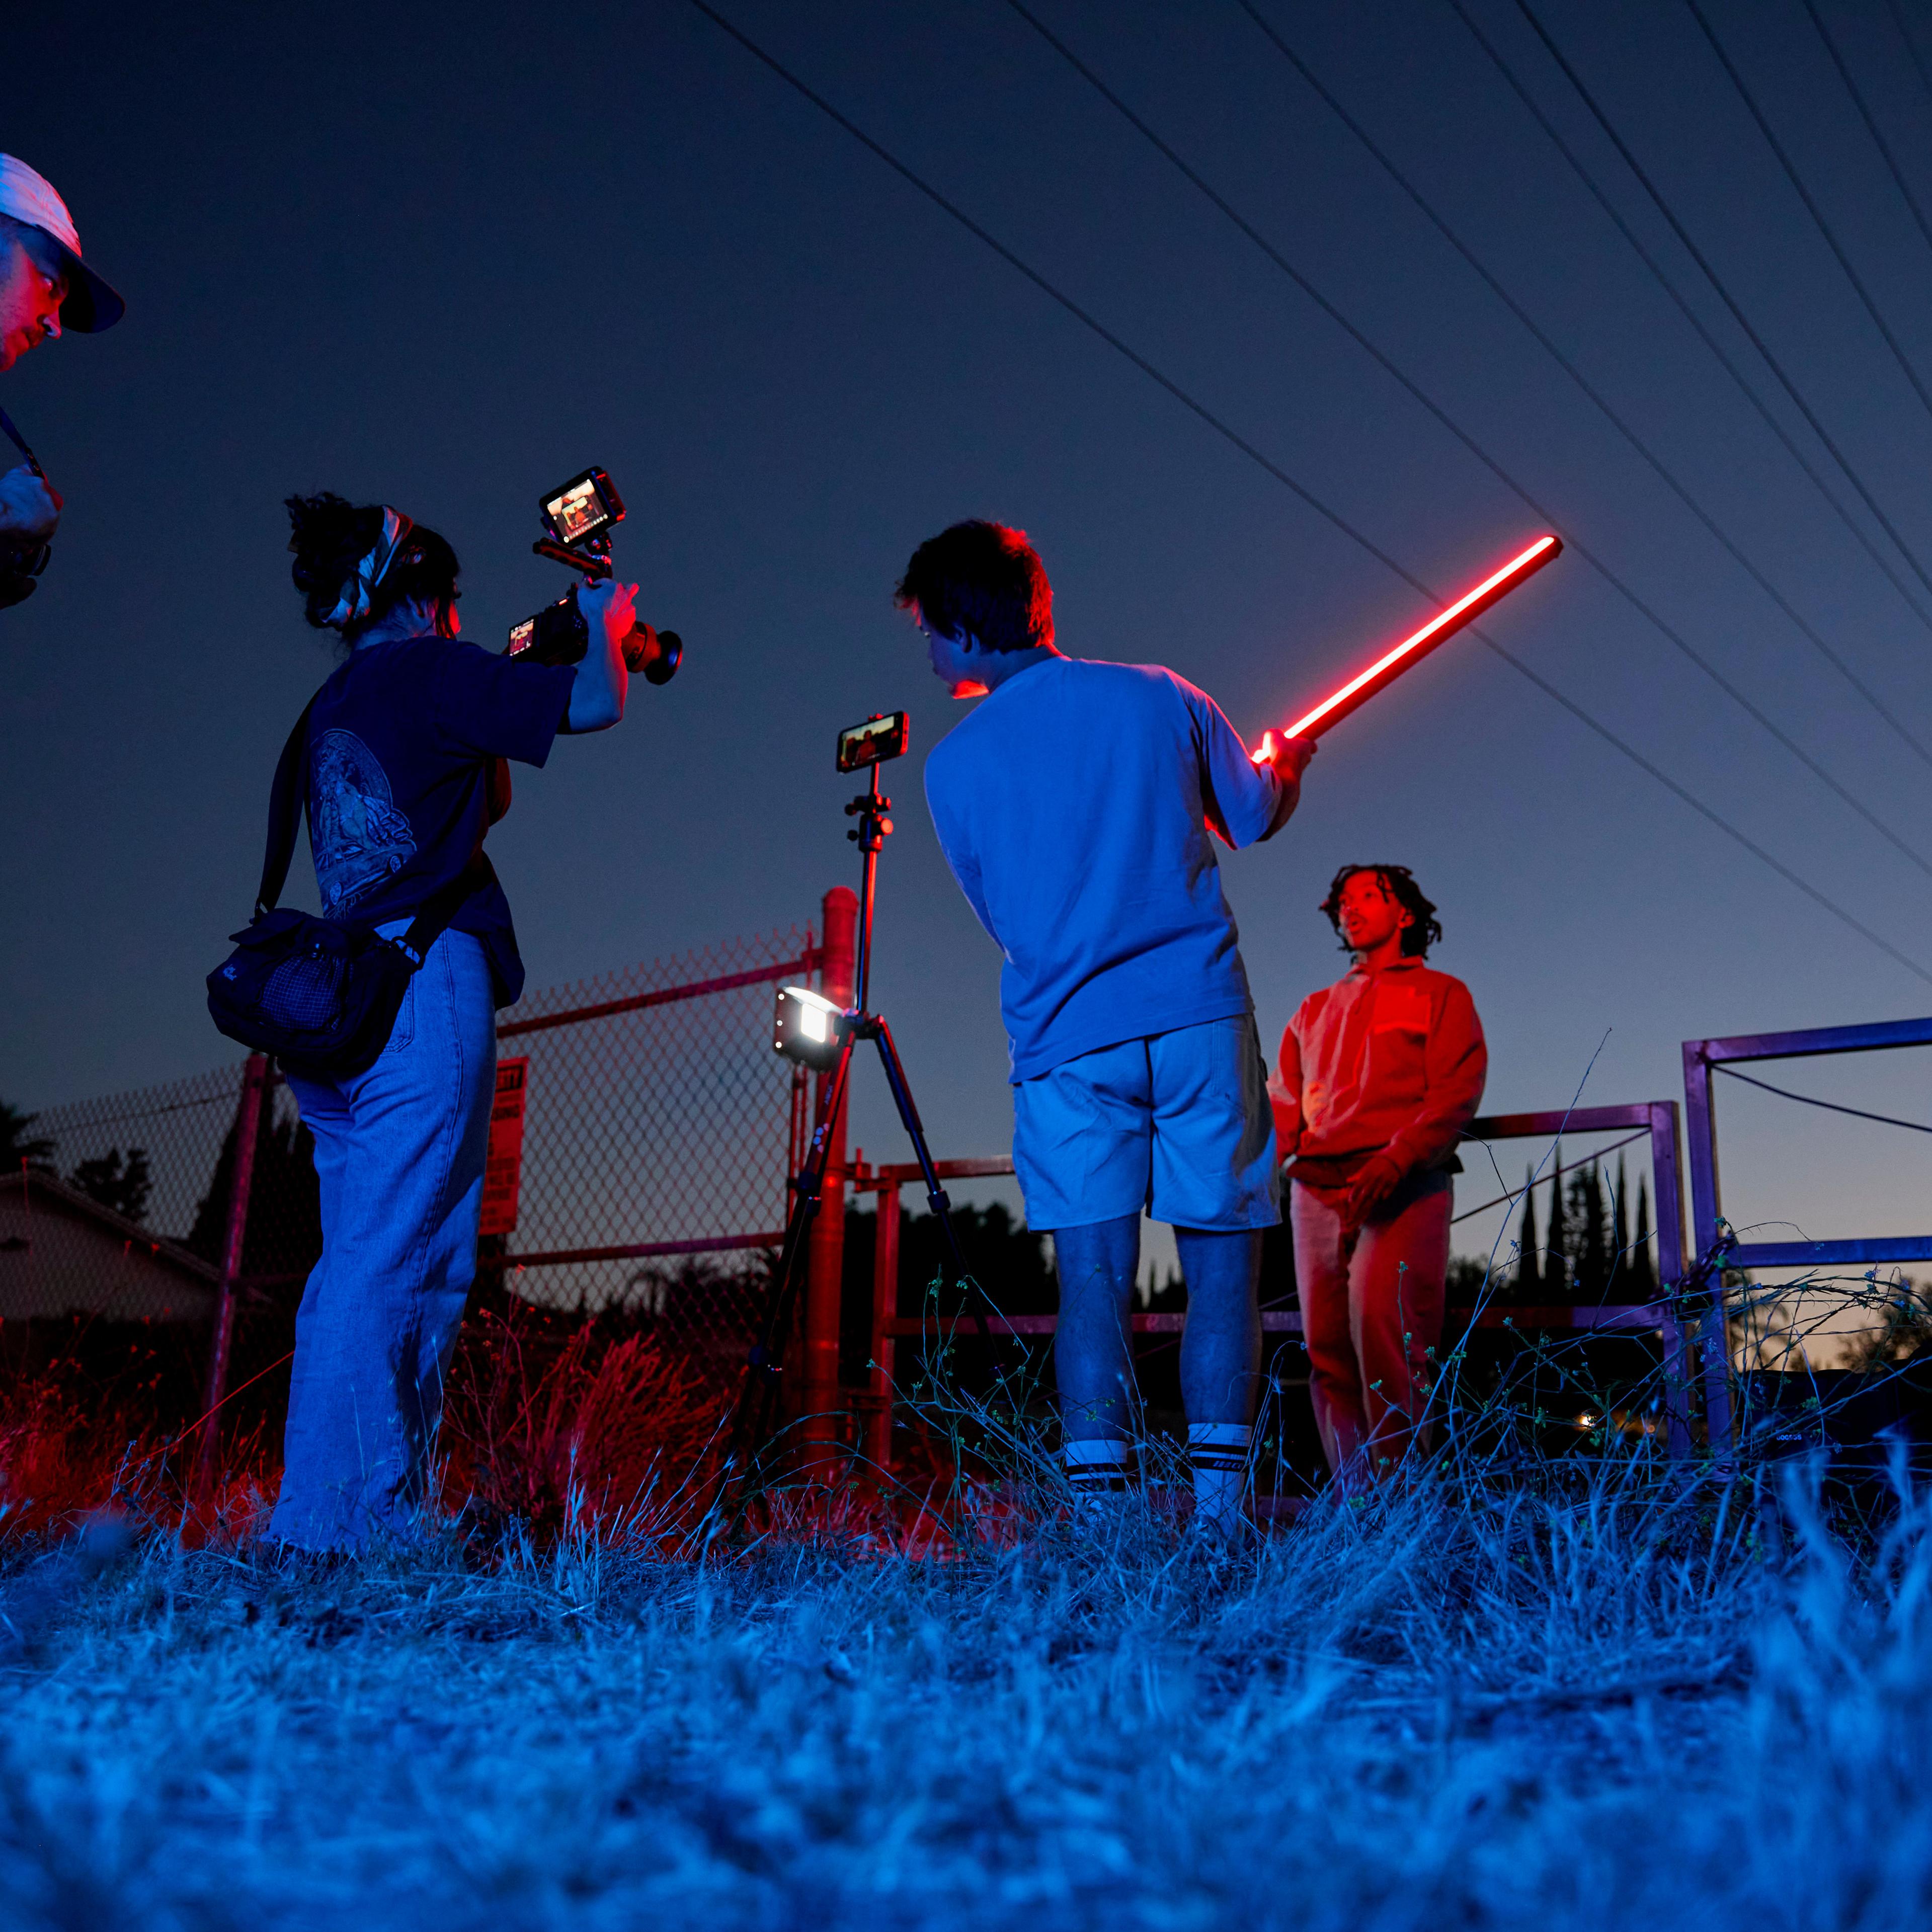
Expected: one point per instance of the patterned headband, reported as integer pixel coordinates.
(353, 605)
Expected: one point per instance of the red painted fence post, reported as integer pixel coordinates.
(827, 1256)
(248, 1132)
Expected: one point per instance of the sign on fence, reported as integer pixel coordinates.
(503, 1171)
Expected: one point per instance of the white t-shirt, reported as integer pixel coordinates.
(1074, 805)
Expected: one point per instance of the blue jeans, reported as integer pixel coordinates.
(399, 1151)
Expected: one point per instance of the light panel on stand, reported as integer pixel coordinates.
(807, 1028)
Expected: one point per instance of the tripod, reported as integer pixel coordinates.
(752, 1425)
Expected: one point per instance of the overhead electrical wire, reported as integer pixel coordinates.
(1717, 283)
(1315, 294)
(1617, 583)
(1918, 59)
(1817, 213)
(1812, 1100)
(1871, 124)
(1307, 496)
(1730, 367)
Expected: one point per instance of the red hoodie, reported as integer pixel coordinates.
(1389, 1062)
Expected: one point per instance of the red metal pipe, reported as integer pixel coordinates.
(248, 1132)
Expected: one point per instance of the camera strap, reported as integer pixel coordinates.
(19, 443)
(286, 802)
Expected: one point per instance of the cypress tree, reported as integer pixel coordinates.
(1620, 1254)
(1555, 1262)
(1643, 1270)
(1593, 1266)
(1529, 1263)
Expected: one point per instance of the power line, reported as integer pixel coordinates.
(1723, 293)
(1871, 125)
(1575, 375)
(1897, 14)
(1482, 455)
(1812, 1100)
(1725, 361)
(1817, 213)
(1301, 491)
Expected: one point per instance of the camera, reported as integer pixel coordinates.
(881, 737)
(578, 519)
(22, 560)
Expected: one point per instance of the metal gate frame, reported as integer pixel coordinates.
(1665, 1315)
(1717, 1249)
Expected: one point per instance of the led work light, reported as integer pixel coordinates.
(807, 1028)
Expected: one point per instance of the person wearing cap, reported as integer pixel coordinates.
(46, 290)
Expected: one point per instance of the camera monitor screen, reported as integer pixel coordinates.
(584, 507)
(873, 742)
(522, 636)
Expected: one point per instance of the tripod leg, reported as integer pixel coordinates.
(935, 1195)
(751, 1425)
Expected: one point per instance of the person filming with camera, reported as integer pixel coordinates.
(1077, 806)
(401, 761)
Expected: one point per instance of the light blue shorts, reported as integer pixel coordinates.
(1178, 1124)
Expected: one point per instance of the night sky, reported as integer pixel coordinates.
(445, 256)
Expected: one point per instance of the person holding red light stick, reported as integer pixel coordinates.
(1378, 1076)
(1077, 806)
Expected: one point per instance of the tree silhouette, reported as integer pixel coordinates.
(1556, 1256)
(1642, 1278)
(17, 1146)
(1529, 1259)
(120, 1182)
(283, 1236)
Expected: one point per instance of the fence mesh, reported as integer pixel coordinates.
(118, 1205)
(657, 1141)
(657, 1138)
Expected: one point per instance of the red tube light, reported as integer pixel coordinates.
(1392, 664)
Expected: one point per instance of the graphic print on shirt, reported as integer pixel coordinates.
(358, 837)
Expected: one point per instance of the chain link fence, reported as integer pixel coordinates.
(646, 1132)
(658, 1131)
(113, 1210)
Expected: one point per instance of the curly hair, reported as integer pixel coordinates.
(1399, 882)
(981, 577)
(330, 535)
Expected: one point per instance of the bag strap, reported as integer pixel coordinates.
(19, 443)
(285, 812)
(436, 912)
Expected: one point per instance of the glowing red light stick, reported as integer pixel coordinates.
(1392, 664)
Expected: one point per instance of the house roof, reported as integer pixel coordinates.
(61, 1253)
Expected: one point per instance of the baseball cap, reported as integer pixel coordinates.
(90, 304)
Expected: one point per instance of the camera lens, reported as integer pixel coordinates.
(662, 668)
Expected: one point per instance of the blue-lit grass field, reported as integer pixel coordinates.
(1599, 1697)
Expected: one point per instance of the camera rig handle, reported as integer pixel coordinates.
(592, 558)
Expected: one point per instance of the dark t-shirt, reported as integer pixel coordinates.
(406, 746)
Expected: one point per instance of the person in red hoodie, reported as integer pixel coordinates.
(1379, 1075)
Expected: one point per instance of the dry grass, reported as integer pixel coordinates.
(1584, 1690)
(1593, 1702)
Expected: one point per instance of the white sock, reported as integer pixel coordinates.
(1219, 1453)
(1103, 1466)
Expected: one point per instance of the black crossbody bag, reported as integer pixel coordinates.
(321, 994)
